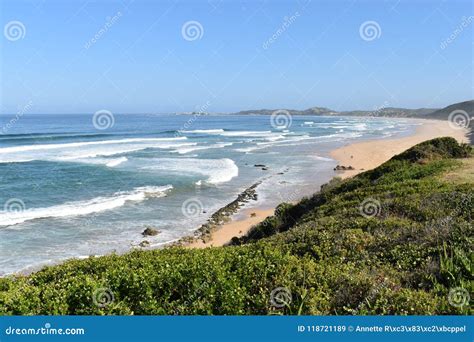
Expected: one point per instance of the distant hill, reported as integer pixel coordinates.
(309, 111)
(382, 112)
(432, 113)
(390, 112)
(466, 106)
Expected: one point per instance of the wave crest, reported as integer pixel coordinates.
(87, 207)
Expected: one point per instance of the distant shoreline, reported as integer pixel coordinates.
(362, 156)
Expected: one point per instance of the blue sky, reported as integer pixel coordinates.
(142, 63)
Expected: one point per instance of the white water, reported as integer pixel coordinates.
(78, 208)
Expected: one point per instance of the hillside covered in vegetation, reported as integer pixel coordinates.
(394, 240)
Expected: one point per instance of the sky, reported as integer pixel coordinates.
(143, 56)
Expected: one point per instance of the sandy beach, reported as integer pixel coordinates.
(370, 154)
(233, 228)
(361, 156)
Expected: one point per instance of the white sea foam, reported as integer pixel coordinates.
(321, 158)
(84, 152)
(86, 207)
(204, 131)
(216, 170)
(298, 140)
(360, 127)
(116, 162)
(233, 133)
(185, 150)
(275, 138)
(247, 149)
(248, 133)
(42, 147)
(290, 139)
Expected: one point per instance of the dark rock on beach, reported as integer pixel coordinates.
(149, 231)
(343, 168)
(144, 243)
(224, 214)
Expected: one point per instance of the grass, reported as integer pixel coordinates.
(464, 173)
(394, 240)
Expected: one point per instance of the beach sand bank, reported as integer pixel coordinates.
(362, 156)
(238, 228)
(370, 154)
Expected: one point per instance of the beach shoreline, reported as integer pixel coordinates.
(357, 157)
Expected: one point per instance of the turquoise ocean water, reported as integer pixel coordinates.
(74, 186)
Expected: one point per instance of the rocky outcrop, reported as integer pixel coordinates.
(343, 168)
(223, 215)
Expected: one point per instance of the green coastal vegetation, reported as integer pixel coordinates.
(394, 240)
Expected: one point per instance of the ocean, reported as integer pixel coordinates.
(81, 185)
